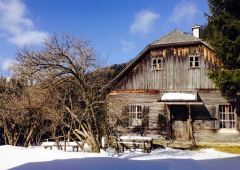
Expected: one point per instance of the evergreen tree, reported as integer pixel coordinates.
(206, 32)
(225, 25)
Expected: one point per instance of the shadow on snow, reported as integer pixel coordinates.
(116, 163)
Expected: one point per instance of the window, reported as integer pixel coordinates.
(194, 61)
(135, 115)
(157, 64)
(227, 117)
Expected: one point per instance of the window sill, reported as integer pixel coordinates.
(157, 69)
(194, 68)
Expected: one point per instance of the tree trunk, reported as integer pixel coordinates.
(95, 144)
(16, 137)
(84, 149)
(64, 139)
(7, 134)
(26, 143)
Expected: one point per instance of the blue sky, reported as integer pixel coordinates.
(118, 29)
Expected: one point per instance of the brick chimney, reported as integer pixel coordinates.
(196, 31)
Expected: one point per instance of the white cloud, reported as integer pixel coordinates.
(35, 37)
(183, 12)
(144, 21)
(17, 27)
(127, 46)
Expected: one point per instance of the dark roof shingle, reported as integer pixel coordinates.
(174, 37)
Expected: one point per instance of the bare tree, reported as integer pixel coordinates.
(72, 64)
(22, 111)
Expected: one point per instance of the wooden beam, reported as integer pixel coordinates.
(182, 103)
(189, 122)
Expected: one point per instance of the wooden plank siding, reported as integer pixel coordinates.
(204, 129)
(142, 85)
(118, 99)
(176, 73)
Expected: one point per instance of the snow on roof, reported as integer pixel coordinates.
(178, 97)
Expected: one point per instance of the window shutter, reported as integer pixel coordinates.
(125, 116)
(145, 116)
(214, 112)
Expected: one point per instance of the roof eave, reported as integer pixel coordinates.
(182, 43)
(125, 69)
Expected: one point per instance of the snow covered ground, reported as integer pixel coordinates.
(39, 158)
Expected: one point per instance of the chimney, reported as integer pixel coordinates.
(196, 31)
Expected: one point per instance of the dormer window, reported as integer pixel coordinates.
(157, 63)
(194, 61)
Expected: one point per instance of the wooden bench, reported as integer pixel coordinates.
(48, 145)
(129, 142)
(61, 143)
(73, 145)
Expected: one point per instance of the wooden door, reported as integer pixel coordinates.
(179, 116)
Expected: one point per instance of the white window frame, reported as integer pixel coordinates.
(228, 117)
(157, 63)
(194, 61)
(135, 113)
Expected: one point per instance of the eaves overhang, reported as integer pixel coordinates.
(183, 44)
(122, 73)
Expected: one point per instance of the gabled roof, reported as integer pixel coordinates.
(175, 37)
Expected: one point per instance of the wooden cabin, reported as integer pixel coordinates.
(165, 94)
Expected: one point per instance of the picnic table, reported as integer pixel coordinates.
(125, 142)
(51, 144)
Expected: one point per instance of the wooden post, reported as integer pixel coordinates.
(144, 147)
(151, 145)
(116, 148)
(122, 148)
(68, 136)
(171, 124)
(190, 130)
(189, 122)
(65, 144)
(73, 148)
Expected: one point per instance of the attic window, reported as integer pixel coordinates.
(194, 61)
(157, 64)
